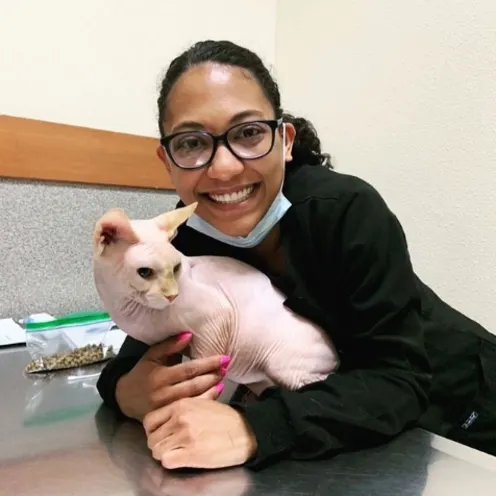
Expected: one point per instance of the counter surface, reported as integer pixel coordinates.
(57, 439)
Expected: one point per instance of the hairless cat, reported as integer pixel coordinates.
(152, 292)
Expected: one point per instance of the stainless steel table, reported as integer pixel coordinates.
(56, 439)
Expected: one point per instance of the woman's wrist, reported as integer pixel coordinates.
(120, 394)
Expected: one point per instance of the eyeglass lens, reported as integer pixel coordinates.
(247, 140)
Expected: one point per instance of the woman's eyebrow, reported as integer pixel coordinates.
(187, 126)
(197, 126)
(240, 116)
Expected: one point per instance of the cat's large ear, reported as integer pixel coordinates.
(112, 227)
(170, 221)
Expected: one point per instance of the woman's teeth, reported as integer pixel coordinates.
(237, 197)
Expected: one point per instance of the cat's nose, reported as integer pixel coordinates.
(171, 298)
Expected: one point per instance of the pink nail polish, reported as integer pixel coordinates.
(225, 360)
(223, 371)
(184, 335)
(220, 387)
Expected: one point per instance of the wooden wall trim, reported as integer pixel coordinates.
(48, 151)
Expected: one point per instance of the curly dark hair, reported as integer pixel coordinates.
(306, 148)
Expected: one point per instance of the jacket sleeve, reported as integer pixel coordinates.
(129, 355)
(383, 383)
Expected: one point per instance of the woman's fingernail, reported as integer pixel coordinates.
(220, 387)
(184, 335)
(225, 360)
(223, 371)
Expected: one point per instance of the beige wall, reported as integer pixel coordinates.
(404, 95)
(98, 63)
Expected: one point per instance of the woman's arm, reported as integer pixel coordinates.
(383, 385)
(142, 379)
(128, 356)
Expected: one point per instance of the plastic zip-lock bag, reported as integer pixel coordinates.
(69, 341)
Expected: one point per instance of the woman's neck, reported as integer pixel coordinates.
(269, 255)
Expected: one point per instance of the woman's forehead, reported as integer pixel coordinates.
(212, 95)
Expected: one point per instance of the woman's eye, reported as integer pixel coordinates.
(250, 132)
(145, 272)
(189, 143)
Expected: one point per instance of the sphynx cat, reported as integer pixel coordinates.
(152, 291)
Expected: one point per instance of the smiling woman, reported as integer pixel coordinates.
(234, 184)
(244, 176)
(267, 196)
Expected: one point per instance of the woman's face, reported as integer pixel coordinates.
(212, 97)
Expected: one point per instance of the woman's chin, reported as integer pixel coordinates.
(236, 233)
(239, 228)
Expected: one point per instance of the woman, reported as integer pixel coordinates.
(267, 196)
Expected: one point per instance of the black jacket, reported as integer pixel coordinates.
(407, 358)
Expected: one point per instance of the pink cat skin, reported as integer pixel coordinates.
(152, 291)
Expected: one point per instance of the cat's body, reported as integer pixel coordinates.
(231, 308)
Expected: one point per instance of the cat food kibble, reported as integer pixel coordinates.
(78, 357)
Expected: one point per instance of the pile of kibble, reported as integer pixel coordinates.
(86, 355)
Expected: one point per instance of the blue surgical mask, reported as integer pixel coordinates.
(276, 212)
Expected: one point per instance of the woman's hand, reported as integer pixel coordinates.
(151, 384)
(128, 450)
(199, 433)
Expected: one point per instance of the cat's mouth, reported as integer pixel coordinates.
(233, 197)
(157, 302)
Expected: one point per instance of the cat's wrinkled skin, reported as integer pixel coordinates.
(152, 292)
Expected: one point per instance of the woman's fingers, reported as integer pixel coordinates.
(197, 386)
(197, 367)
(183, 372)
(213, 393)
(159, 420)
(157, 432)
(162, 351)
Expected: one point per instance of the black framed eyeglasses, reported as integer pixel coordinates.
(246, 141)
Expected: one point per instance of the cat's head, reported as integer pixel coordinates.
(137, 255)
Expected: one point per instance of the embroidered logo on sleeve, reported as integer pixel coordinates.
(471, 419)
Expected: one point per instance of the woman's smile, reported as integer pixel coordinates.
(233, 203)
(236, 195)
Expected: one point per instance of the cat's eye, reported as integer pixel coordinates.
(145, 272)
(176, 268)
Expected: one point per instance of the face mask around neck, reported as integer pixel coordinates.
(276, 212)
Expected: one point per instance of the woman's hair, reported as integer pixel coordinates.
(306, 148)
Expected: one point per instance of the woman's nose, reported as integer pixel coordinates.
(224, 165)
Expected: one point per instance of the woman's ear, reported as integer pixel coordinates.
(289, 141)
(162, 155)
